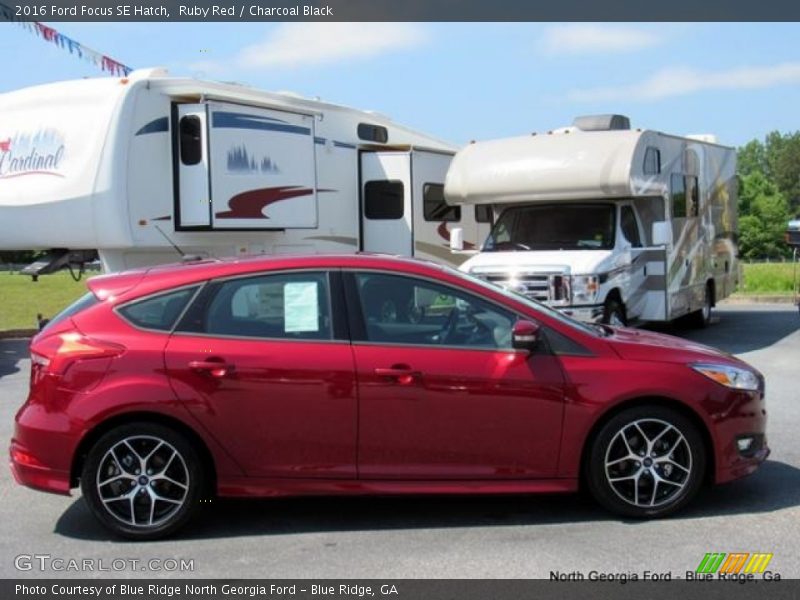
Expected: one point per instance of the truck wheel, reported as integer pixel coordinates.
(614, 313)
(646, 462)
(701, 318)
(142, 480)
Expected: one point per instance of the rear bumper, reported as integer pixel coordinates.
(29, 471)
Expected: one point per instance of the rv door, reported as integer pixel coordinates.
(386, 216)
(193, 206)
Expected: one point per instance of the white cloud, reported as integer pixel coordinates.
(306, 44)
(590, 38)
(680, 81)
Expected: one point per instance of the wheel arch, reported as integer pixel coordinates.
(663, 401)
(100, 429)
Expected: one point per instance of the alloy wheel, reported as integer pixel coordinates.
(142, 481)
(648, 463)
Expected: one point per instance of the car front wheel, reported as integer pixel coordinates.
(142, 480)
(646, 462)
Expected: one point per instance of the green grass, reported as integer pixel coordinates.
(21, 299)
(768, 278)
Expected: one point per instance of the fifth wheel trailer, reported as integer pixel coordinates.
(130, 166)
(604, 222)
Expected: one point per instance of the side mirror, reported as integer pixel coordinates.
(456, 239)
(662, 233)
(525, 335)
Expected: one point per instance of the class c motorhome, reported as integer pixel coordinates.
(603, 222)
(130, 166)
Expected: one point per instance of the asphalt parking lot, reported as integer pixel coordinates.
(464, 537)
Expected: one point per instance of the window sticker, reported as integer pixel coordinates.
(301, 306)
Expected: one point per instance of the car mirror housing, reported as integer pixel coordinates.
(525, 335)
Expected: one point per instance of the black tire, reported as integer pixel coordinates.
(701, 319)
(614, 313)
(635, 492)
(172, 484)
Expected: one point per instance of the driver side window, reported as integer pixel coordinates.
(404, 310)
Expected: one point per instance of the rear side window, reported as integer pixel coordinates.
(81, 304)
(158, 312)
(278, 306)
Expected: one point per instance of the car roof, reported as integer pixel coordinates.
(148, 280)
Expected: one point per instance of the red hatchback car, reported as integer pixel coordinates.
(365, 374)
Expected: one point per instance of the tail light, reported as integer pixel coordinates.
(55, 354)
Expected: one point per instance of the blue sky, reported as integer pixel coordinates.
(473, 80)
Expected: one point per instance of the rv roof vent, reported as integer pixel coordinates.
(602, 122)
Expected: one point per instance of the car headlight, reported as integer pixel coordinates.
(729, 376)
(584, 289)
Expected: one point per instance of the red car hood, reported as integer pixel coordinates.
(637, 344)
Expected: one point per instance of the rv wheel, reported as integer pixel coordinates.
(614, 313)
(701, 318)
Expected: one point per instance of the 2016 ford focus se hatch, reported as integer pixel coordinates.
(365, 374)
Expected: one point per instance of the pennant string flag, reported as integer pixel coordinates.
(48, 34)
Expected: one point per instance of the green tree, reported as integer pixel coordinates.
(764, 212)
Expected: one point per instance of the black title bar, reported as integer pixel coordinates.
(400, 10)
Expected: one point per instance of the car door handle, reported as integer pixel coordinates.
(401, 374)
(215, 368)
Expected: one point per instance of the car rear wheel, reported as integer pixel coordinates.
(142, 480)
(646, 462)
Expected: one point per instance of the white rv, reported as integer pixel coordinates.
(130, 165)
(603, 222)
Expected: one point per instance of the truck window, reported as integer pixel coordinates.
(630, 229)
(483, 213)
(554, 227)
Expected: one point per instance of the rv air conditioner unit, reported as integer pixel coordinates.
(602, 122)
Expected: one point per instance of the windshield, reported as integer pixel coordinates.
(538, 306)
(553, 227)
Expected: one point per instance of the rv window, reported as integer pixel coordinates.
(652, 161)
(384, 200)
(373, 133)
(434, 207)
(678, 187)
(191, 134)
(483, 213)
(693, 196)
(630, 229)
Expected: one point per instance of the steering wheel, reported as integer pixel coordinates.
(449, 326)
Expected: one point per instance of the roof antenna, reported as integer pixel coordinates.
(184, 257)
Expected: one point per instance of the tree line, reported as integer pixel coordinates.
(769, 194)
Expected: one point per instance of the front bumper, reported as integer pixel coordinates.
(588, 314)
